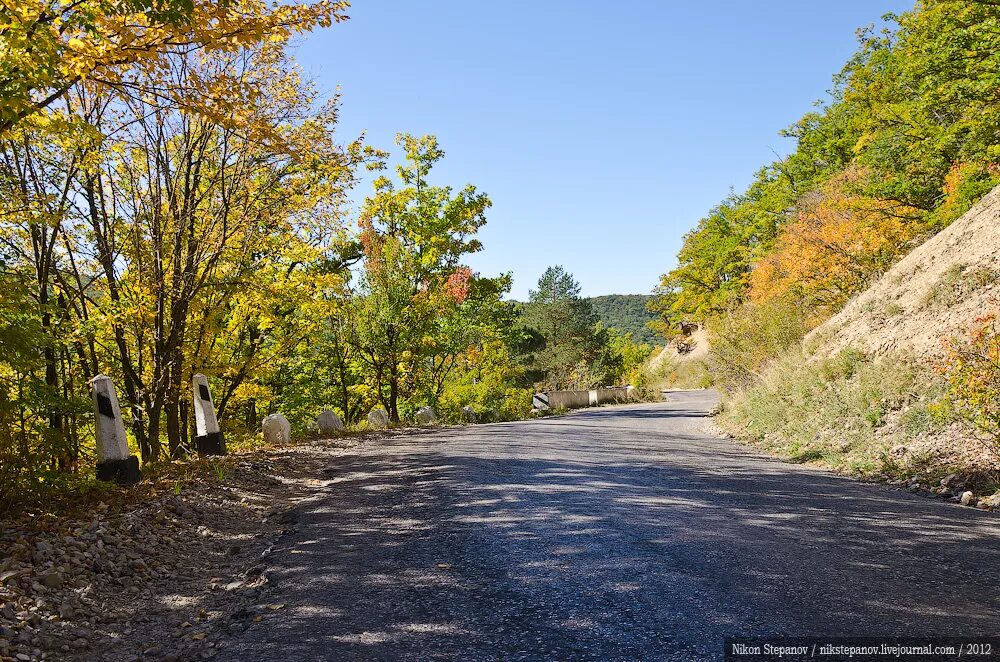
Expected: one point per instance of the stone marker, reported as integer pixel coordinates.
(207, 439)
(329, 423)
(592, 397)
(378, 418)
(540, 401)
(276, 429)
(114, 462)
(468, 414)
(425, 416)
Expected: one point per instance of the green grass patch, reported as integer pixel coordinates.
(893, 309)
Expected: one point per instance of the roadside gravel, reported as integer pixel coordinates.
(162, 577)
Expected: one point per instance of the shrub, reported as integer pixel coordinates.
(682, 374)
(971, 369)
(745, 341)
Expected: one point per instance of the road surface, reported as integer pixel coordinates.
(616, 533)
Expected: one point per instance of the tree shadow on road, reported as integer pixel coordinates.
(506, 545)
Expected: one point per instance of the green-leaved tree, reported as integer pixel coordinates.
(573, 354)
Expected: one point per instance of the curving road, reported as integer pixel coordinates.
(616, 533)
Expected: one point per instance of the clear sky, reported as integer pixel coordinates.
(602, 131)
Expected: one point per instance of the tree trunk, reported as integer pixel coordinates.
(172, 407)
(185, 423)
(250, 418)
(153, 437)
(393, 397)
(146, 438)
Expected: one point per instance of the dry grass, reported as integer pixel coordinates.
(875, 418)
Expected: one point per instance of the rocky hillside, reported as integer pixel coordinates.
(681, 364)
(864, 393)
(935, 292)
(692, 346)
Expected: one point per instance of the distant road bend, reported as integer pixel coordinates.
(615, 533)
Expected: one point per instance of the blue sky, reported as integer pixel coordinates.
(601, 131)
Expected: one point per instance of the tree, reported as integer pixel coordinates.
(413, 240)
(837, 246)
(149, 223)
(50, 46)
(627, 313)
(719, 254)
(572, 354)
(926, 99)
(477, 317)
(628, 358)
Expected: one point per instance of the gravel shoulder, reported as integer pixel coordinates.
(162, 572)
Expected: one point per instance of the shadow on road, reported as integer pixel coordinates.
(579, 540)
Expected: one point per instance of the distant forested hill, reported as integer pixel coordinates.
(627, 312)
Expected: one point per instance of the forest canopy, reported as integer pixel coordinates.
(627, 313)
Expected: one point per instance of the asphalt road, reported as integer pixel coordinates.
(615, 533)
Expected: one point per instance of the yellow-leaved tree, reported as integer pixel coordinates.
(202, 228)
(835, 246)
(48, 46)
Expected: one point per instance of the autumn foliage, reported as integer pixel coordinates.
(49, 47)
(836, 245)
(905, 143)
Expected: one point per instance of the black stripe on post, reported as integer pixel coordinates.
(210, 444)
(104, 406)
(123, 472)
(203, 392)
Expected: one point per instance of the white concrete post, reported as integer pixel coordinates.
(114, 462)
(207, 439)
(426, 416)
(276, 429)
(378, 418)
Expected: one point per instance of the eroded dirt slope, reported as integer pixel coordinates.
(935, 292)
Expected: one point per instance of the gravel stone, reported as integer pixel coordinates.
(51, 580)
